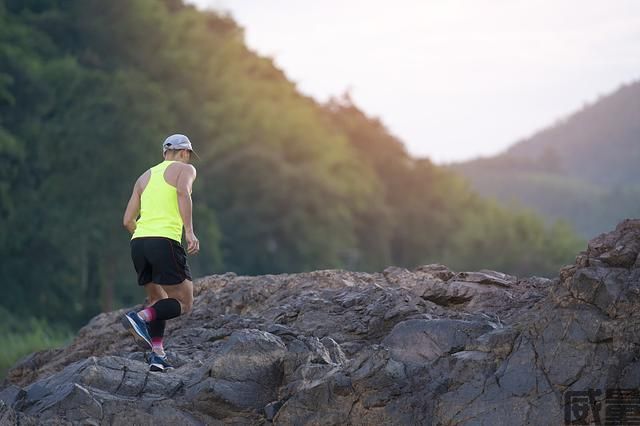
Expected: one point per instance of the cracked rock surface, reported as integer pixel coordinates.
(426, 346)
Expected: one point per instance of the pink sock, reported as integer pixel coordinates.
(148, 314)
(156, 345)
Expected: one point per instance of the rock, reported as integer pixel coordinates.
(72, 401)
(9, 416)
(421, 341)
(242, 376)
(487, 277)
(271, 409)
(499, 342)
(336, 354)
(435, 271)
(425, 346)
(12, 395)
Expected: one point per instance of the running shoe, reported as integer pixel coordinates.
(137, 326)
(159, 363)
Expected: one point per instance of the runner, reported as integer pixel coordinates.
(162, 199)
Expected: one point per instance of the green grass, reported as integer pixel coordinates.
(33, 335)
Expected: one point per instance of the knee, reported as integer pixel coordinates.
(154, 294)
(152, 300)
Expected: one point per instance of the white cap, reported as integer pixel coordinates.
(177, 142)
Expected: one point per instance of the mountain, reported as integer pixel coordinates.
(427, 346)
(583, 169)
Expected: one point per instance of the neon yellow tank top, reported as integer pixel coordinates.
(159, 212)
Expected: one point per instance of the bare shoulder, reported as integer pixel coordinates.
(145, 176)
(189, 169)
(143, 180)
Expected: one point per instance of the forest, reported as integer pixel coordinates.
(89, 90)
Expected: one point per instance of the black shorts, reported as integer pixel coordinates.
(159, 260)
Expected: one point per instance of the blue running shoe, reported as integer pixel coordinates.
(137, 326)
(159, 363)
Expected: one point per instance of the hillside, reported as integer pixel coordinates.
(88, 91)
(600, 144)
(427, 346)
(583, 169)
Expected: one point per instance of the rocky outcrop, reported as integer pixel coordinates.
(427, 346)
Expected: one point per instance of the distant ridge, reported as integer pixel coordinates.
(570, 169)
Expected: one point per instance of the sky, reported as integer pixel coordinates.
(452, 79)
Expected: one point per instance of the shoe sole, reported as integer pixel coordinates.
(129, 325)
(159, 368)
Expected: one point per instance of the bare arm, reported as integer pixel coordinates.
(185, 204)
(133, 208)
